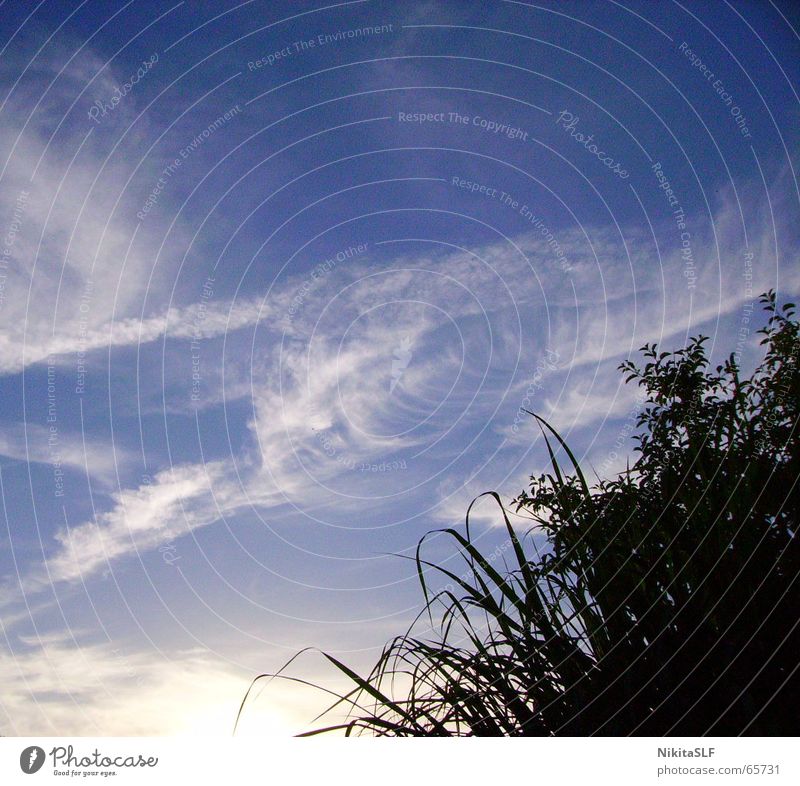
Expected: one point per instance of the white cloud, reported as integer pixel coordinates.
(28, 442)
(178, 323)
(56, 687)
(76, 263)
(177, 501)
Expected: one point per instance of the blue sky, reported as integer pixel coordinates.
(278, 277)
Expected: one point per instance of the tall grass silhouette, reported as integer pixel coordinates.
(665, 600)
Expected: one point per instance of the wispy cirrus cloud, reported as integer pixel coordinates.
(176, 502)
(321, 375)
(95, 458)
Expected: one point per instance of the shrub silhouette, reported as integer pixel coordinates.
(666, 599)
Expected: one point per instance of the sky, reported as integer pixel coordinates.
(278, 279)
